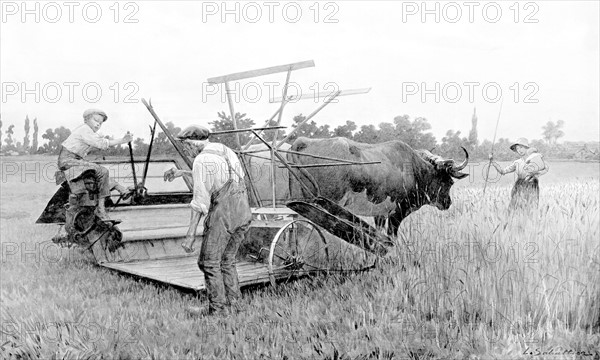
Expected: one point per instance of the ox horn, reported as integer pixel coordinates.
(464, 163)
(434, 160)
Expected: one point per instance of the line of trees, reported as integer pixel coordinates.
(415, 132)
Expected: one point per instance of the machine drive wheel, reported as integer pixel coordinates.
(299, 248)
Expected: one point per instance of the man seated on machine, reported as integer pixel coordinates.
(83, 139)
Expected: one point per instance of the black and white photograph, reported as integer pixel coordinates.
(351, 179)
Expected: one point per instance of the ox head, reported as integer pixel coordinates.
(441, 180)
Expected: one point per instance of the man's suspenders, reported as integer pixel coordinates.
(224, 155)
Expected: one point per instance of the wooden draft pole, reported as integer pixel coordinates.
(332, 164)
(261, 129)
(487, 174)
(309, 155)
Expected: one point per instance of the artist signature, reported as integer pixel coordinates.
(559, 350)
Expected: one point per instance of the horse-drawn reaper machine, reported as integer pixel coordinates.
(288, 238)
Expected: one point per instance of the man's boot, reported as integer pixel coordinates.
(101, 210)
(125, 192)
(121, 189)
(205, 310)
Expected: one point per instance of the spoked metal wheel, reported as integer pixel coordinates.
(299, 248)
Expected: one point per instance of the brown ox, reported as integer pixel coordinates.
(405, 180)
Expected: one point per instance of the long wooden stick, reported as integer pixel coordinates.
(320, 157)
(152, 131)
(221, 132)
(132, 165)
(176, 144)
(261, 72)
(250, 152)
(492, 150)
(314, 96)
(259, 157)
(330, 164)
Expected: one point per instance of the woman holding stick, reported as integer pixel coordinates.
(530, 165)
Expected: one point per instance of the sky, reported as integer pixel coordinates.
(437, 60)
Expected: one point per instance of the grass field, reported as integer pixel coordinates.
(472, 282)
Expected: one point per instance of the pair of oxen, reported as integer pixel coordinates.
(401, 182)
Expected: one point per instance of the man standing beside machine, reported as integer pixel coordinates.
(219, 195)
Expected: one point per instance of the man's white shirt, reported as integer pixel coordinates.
(210, 172)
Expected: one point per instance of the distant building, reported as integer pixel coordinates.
(583, 150)
(473, 133)
(585, 153)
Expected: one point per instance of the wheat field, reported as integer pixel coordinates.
(475, 281)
